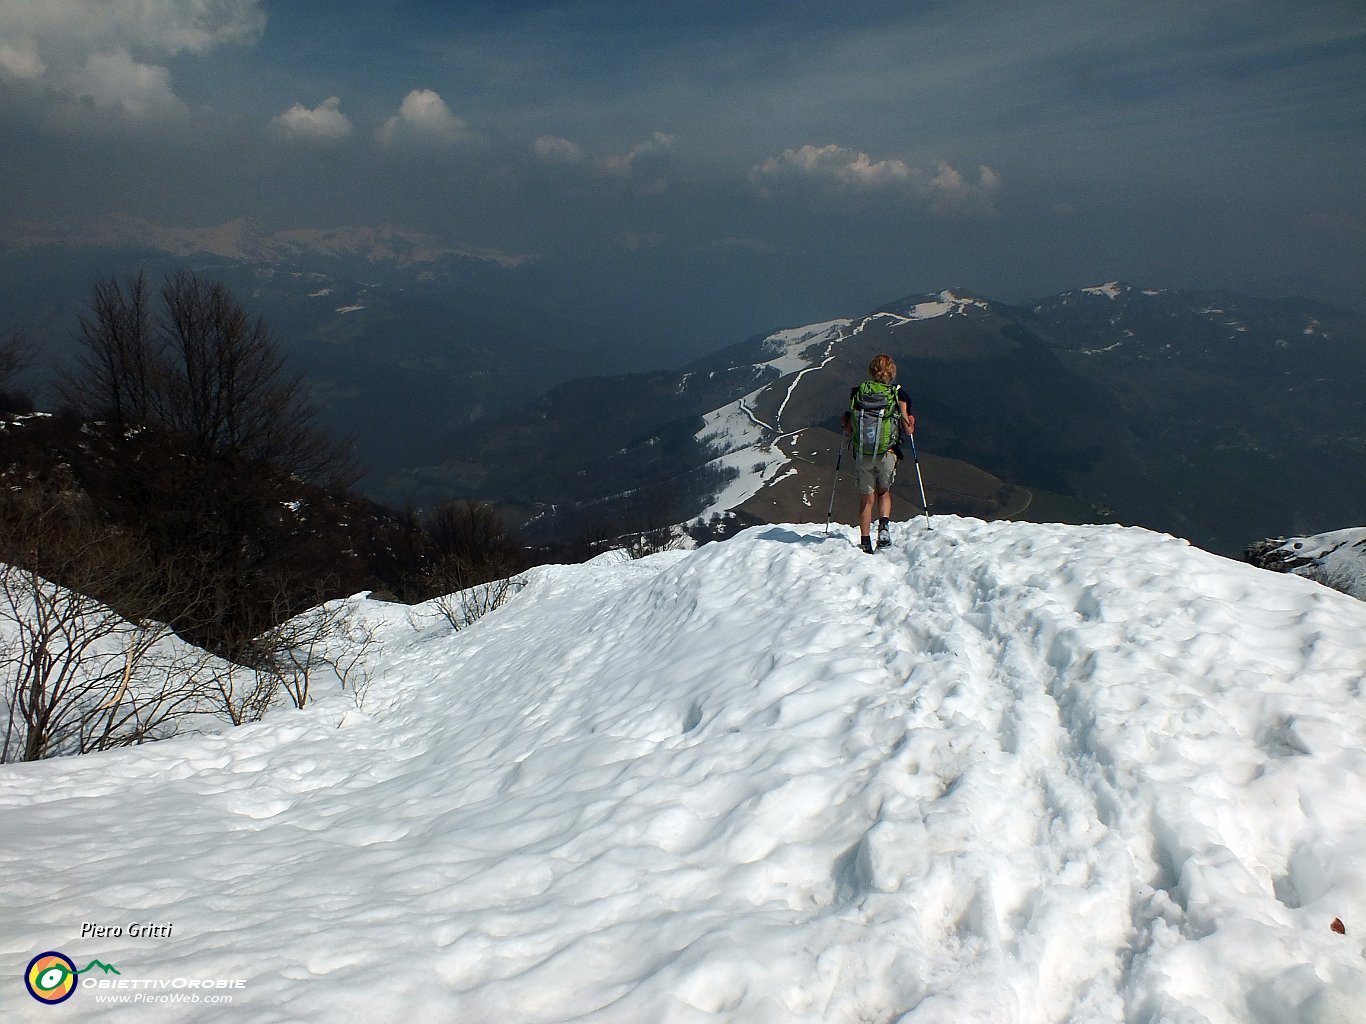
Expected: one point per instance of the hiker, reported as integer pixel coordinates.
(879, 415)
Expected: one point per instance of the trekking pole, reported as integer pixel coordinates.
(921, 480)
(835, 483)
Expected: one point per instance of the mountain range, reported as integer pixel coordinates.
(248, 241)
(1214, 416)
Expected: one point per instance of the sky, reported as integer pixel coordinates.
(739, 166)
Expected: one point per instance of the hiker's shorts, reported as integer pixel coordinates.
(875, 474)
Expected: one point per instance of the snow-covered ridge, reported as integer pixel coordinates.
(946, 303)
(1114, 290)
(999, 772)
(740, 441)
(1111, 290)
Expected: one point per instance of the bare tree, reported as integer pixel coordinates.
(352, 657)
(475, 562)
(244, 695)
(16, 356)
(327, 640)
(121, 366)
(75, 674)
(198, 364)
(463, 606)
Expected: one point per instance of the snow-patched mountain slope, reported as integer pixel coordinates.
(997, 773)
(741, 433)
(797, 351)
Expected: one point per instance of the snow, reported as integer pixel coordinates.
(831, 334)
(996, 773)
(140, 676)
(946, 303)
(740, 440)
(1336, 559)
(1111, 290)
(734, 426)
(19, 419)
(787, 347)
(1100, 351)
(756, 467)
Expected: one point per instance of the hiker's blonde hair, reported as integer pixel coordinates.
(882, 369)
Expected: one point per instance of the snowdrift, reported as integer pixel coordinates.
(998, 773)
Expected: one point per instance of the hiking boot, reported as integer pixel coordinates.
(884, 536)
(867, 545)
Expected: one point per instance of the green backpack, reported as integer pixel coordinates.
(876, 423)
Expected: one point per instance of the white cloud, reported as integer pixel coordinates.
(115, 80)
(423, 117)
(636, 159)
(325, 122)
(19, 58)
(833, 164)
(555, 150)
(151, 26)
(949, 192)
(946, 190)
(109, 52)
(645, 164)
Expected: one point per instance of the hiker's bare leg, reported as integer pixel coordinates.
(865, 514)
(884, 502)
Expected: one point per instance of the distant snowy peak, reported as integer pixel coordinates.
(1111, 290)
(250, 242)
(1117, 292)
(949, 302)
(1117, 289)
